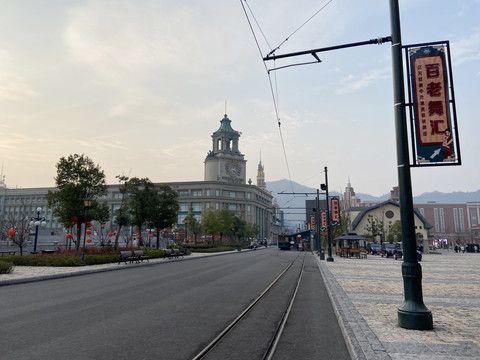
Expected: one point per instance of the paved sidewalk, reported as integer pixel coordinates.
(367, 293)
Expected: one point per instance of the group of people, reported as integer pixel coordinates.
(471, 248)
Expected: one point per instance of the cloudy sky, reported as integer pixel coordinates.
(140, 86)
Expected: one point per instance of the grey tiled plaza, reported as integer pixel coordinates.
(368, 292)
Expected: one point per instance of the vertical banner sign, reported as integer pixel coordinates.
(323, 215)
(335, 206)
(434, 138)
(312, 222)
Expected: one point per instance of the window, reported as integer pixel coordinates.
(442, 221)
(435, 215)
(118, 195)
(207, 192)
(455, 219)
(473, 216)
(217, 206)
(197, 206)
(182, 192)
(232, 207)
(183, 206)
(217, 192)
(462, 221)
(233, 194)
(196, 193)
(249, 195)
(207, 205)
(249, 208)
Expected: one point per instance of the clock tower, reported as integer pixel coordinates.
(225, 162)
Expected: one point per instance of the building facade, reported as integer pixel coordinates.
(224, 188)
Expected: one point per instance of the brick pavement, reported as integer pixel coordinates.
(368, 292)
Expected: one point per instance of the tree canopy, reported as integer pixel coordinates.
(78, 179)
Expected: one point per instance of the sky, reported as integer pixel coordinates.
(140, 86)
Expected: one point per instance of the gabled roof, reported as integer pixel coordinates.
(426, 224)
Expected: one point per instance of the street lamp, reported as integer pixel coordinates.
(329, 240)
(86, 203)
(37, 221)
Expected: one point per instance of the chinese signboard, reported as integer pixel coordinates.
(435, 137)
(323, 217)
(335, 210)
(312, 222)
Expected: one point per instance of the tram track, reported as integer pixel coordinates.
(258, 329)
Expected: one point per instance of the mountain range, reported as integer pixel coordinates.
(283, 191)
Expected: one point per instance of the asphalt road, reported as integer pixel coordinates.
(167, 311)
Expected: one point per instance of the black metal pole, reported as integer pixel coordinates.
(329, 240)
(84, 236)
(317, 220)
(413, 314)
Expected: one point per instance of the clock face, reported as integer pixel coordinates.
(233, 168)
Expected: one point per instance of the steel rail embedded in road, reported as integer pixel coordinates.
(281, 324)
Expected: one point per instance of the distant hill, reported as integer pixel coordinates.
(305, 193)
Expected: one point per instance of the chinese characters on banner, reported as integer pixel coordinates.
(312, 222)
(323, 217)
(335, 206)
(431, 107)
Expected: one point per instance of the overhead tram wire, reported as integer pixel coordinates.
(293, 33)
(274, 92)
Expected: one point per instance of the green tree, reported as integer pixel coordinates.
(374, 228)
(212, 223)
(165, 213)
(141, 202)
(192, 224)
(395, 232)
(78, 179)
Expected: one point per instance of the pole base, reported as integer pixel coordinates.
(330, 259)
(420, 320)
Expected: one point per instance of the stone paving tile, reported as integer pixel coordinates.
(374, 286)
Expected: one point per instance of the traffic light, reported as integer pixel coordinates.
(323, 187)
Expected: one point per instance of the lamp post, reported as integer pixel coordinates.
(86, 203)
(329, 240)
(37, 221)
(413, 314)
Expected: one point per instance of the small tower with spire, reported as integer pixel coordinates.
(261, 174)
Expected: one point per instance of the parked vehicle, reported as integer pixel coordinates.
(387, 249)
(398, 251)
(374, 248)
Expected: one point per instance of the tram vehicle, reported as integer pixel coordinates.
(283, 242)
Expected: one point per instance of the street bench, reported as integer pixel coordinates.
(131, 256)
(172, 253)
(139, 255)
(6, 253)
(126, 256)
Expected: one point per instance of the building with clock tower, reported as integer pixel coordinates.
(225, 162)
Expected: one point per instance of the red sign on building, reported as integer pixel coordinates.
(312, 222)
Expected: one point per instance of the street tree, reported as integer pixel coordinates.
(395, 232)
(212, 223)
(78, 179)
(192, 224)
(20, 223)
(374, 228)
(165, 213)
(141, 202)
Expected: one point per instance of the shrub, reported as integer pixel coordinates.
(6, 267)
